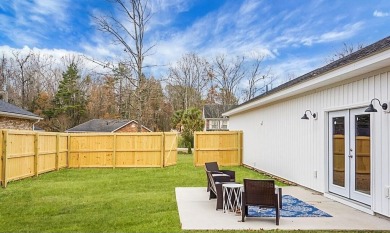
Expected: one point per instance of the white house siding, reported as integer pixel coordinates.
(277, 141)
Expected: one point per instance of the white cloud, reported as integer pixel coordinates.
(301, 35)
(249, 6)
(237, 28)
(346, 32)
(381, 14)
(30, 21)
(165, 11)
(294, 66)
(59, 9)
(58, 56)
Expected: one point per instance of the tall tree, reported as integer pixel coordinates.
(3, 73)
(188, 80)
(258, 79)
(24, 80)
(69, 101)
(129, 33)
(154, 105)
(102, 102)
(228, 75)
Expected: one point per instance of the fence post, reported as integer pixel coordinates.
(239, 147)
(36, 153)
(114, 153)
(5, 158)
(68, 150)
(162, 149)
(57, 151)
(195, 147)
(241, 142)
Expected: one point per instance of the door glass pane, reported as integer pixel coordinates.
(339, 151)
(362, 156)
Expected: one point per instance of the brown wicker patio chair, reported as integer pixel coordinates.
(260, 193)
(214, 169)
(216, 187)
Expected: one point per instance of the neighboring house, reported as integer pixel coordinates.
(13, 117)
(107, 125)
(213, 119)
(343, 151)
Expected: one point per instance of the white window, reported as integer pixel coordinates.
(224, 124)
(214, 124)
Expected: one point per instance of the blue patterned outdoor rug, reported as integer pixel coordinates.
(292, 207)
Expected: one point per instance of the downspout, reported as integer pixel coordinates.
(36, 123)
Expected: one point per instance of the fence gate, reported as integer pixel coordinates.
(224, 147)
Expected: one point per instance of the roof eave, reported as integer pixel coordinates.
(76, 131)
(20, 116)
(142, 126)
(365, 65)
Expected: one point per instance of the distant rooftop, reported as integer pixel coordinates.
(216, 110)
(101, 125)
(10, 110)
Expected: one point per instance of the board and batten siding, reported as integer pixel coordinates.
(278, 141)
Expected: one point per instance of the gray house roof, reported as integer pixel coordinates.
(215, 110)
(10, 110)
(101, 125)
(365, 52)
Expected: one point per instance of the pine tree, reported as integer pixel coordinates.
(69, 101)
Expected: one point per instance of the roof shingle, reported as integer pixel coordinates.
(10, 108)
(99, 125)
(215, 110)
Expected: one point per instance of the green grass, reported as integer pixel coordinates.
(102, 200)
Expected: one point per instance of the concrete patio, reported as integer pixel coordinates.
(197, 212)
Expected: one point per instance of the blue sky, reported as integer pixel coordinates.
(296, 36)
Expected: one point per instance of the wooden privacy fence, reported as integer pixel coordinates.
(123, 150)
(28, 153)
(224, 147)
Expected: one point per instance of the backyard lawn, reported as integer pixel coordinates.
(102, 200)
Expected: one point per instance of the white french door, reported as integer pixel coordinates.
(349, 154)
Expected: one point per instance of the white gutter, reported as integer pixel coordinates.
(15, 115)
(36, 123)
(360, 67)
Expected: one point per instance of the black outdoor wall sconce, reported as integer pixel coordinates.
(314, 115)
(372, 109)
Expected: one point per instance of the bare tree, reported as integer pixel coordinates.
(257, 79)
(344, 51)
(188, 79)
(3, 78)
(130, 35)
(228, 75)
(24, 80)
(3, 73)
